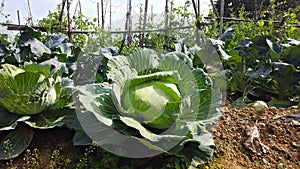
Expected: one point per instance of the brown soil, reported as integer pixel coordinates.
(275, 144)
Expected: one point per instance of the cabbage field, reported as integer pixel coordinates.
(201, 100)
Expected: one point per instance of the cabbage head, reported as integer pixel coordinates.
(28, 90)
(31, 96)
(154, 104)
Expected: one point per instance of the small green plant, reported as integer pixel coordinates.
(280, 166)
(176, 163)
(32, 159)
(84, 161)
(57, 161)
(8, 148)
(95, 157)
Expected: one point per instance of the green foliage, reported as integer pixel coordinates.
(260, 58)
(269, 21)
(261, 67)
(99, 38)
(32, 92)
(52, 24)
(251, 49)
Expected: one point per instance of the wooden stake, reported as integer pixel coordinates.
(62, 13)
(140, 17)
(199, 12)
(18, 13)
(98, 14)
(2, 6)
(110, 15)
(129, 23)
(79, 3)
(30, 19)
(69, 21)
(221, 17)
(126, 25)
(195, 9)
(152, 15)
(102, 14)
(144, 24)
(214, 8)
(166, 45)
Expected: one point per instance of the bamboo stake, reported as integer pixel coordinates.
(166, 45)
(144, 24)
(69, 21)
(140, 17)
(126, 26)
(30, 19)
(199, 12)
(129, 23)
(214, 8)
(221, 17)
(195, 9)
(18, 13)
(61, 13)
(2, 6)
(79, 3)
(110, 15)
(98, 15)
(102, 14)
(152, 15)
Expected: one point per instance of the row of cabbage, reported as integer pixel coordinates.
(138, 105)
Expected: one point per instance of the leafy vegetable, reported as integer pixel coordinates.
(31, 96)
(155, 104)
(30, 90)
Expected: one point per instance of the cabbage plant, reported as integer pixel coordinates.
(29, 98)
(153, 104)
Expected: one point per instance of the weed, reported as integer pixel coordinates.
(57, 161)
(9, 149)
(32, 159)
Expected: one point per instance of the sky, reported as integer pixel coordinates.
(40, 8)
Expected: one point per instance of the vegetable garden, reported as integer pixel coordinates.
(193, 99)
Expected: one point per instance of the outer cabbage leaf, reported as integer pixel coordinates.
(49, 119)
(9, 121)
(15, 142)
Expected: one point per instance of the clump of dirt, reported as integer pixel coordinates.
(247, 138)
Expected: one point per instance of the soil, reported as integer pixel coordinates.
(245, 138)
(275, 139)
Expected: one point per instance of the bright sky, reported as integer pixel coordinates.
(40, 8)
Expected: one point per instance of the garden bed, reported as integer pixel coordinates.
(277, 145)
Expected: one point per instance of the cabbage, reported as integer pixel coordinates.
(30, 97)
(154, 104)
(30, 90)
